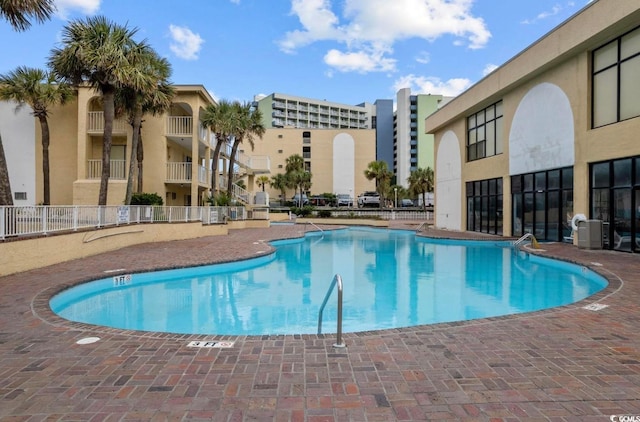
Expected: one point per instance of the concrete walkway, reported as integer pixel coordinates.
(565, 364)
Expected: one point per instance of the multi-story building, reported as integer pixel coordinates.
(176, 149)
(550, 134)
(18, 132)
(413, 147)
(336, 158)
(281, 110)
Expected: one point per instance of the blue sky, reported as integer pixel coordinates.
(347, 51)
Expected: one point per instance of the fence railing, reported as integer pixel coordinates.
(384, 214)
(42, 220)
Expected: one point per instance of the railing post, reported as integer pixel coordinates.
(43, 220)
(75, 218)
(3, 213)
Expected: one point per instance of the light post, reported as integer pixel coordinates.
(395, 203)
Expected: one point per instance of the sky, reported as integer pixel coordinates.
(345, 51)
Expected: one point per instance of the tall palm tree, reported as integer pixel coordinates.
(40, 90)
(101, 54)
(218, 118)
(248, 123)
(262, 181)
(5, 184)
(280, 182)
(379, 171)
(20, 12)
(297, 176)
(138, 102)
(421, 182)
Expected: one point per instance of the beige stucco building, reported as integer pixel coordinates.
(550, 134)
(336, 158)
(176, 148)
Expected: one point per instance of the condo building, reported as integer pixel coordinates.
(551, 134)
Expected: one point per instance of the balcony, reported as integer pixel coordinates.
(117, 169)
(178, 172)
(179, 126)
(95, 123)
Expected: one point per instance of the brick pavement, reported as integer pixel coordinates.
(565, 364)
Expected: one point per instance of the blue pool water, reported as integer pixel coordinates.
(391, 279)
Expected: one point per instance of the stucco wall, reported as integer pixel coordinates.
(22, 255)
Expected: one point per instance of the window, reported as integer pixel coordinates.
(616, 80)
(484, 206)
(20, 196)
(543, 204)
(484, 133)
(306, 152)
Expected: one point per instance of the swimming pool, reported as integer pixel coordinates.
(391, 279)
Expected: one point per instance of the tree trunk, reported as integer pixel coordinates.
(46, 181)
(139, 159)
(232, 163)
(214, 163)
(5, 184)
(109, 116)
(135, 140)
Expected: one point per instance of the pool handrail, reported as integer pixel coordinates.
(314, 225)
(336, 280)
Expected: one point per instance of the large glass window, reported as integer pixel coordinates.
(484, 133)
(616, 80)
(615, 199)
(484, 206)
(543, 204)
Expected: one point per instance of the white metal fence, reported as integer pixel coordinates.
(37, 220)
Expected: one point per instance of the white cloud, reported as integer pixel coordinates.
(360, 61)
(554, 11)
(86, 7)
(186, 44)
(432, 85)
(423, 57)
(489, 68)
(370, 28)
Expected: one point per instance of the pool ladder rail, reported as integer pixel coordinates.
(526, 236)
(337, 281)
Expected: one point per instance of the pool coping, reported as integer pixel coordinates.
(42, 310)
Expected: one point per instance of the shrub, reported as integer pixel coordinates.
(220, 199)
(146, 199)
(324, 213)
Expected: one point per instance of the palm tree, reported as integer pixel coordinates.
(262, 181)
(102, 55)
(420, 182)
(379, 171)
(218, 118)
(297, 176)
(138, 102)
(40, 90)
(280, 182)
(5, 183)
(19, 12)
(248, 123)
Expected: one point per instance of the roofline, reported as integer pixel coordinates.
(564, 41)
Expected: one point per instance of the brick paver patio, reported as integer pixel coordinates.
(565, 364)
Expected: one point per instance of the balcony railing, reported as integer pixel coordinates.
(95, 123)
(179, 126)
(117, 169)
(181, 173)
(256, 163)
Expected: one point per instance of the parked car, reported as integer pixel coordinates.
(369, 199)
(318, 200)
(296, 199)
(344, 200)
(406, 203)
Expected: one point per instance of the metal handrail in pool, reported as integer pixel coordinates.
(336, 280)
